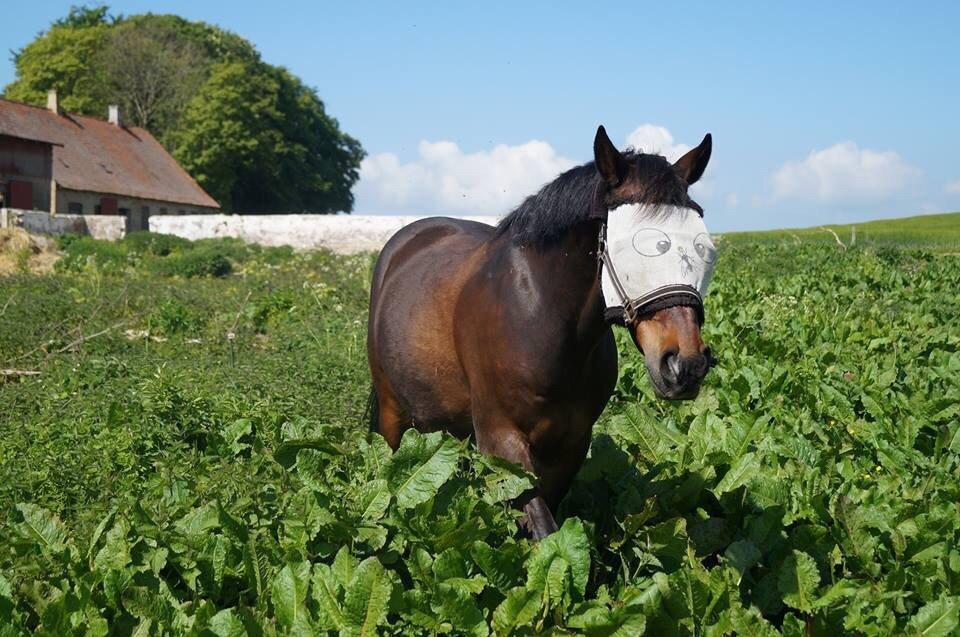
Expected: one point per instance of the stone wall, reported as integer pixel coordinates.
(110, 227)
(345, 234)
(138, 210)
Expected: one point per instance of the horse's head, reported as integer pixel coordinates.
(658, 260)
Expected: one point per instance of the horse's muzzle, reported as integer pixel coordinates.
(677, 358)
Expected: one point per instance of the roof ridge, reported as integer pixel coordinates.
(63, 112)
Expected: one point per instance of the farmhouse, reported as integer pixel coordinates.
(72, 164)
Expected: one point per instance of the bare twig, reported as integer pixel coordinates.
(19, 372)
(236, 319)
(839, 242)
(83, 338)
(7, 304)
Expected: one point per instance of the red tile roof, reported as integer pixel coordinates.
(93, 155)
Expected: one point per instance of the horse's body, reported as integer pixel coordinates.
(499, 333)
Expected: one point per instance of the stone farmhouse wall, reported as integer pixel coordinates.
(110, 227)
(345, 234)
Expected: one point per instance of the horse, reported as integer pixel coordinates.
(500, 333)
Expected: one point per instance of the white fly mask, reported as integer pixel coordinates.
(654, 257)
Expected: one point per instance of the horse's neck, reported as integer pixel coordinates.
(566, 277)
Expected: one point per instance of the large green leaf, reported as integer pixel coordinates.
(502, 566)
(286, 453)
(599, 621)
(326, 592)
(561, 560)
(521, 606)
(637, 427)
(505, 480)
(936, 619)
(42, 527)
(797, 581)
(742, 554)
(227, 624)
(115, 554)
(743, 469)
(367, 599)
(289, 592)
(421, 465)
(374, 500)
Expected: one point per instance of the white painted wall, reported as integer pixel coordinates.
(110, 227)
(345, 234)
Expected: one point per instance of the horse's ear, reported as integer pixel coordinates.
(609, 161)
(692, 165)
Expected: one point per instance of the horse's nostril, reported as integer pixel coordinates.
(675, 365)
(708, 356)
(671, 366)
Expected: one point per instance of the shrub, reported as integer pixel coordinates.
(171, 317)
(155, 244)
(80, 251)
(196, 262)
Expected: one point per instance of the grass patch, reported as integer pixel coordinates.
(933, 232)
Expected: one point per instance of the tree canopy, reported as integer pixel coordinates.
(251, 133)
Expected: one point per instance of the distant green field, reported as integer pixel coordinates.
(932, 231)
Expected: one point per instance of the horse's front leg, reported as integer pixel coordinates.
(501, 438)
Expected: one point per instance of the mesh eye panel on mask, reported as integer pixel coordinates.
(652, 258)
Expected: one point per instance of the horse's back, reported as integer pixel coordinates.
(416, 284)
(425, 240)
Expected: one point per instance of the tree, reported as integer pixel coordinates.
(84, 16)
(253, 134)
(258, 140)
(61, 59)
(151, 73)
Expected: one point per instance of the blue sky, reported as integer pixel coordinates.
(820, 112)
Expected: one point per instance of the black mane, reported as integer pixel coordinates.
(543, 219)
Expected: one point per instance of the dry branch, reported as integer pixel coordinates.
(839, 242)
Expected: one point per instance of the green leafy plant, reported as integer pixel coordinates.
(220, 480)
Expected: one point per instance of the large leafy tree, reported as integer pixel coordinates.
(258, 139)
(61, 59)
(253, 134)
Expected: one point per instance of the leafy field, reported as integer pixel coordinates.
(192, 459)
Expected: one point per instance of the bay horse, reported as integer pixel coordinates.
(500, 332)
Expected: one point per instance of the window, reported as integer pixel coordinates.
(75, 208)
(108, 206)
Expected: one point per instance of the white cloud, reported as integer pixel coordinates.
(844, 173)
(733, 200)
(953, 187)
(654, 139)
(445, 180)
